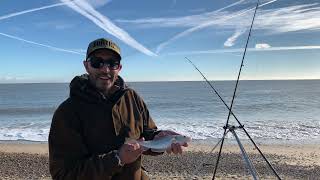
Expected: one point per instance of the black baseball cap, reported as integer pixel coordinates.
(103, 43)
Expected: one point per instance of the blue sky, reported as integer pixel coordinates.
(46, 40)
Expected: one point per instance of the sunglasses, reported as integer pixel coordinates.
(97, 63)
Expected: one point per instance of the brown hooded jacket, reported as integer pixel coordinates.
(87, 128)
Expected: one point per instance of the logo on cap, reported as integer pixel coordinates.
(103, 44)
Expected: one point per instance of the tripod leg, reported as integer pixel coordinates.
(218, 158)
(256, 146)
(245, 157)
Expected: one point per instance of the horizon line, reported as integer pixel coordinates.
(302, 79)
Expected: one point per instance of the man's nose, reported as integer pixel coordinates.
(105, 68)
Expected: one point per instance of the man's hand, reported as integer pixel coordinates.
(129, 152)
(175, 148)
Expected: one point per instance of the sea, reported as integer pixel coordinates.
(272, 111)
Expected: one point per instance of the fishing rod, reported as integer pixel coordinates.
(232, 102)
(240, 124)
(235, 89)
(213, 89)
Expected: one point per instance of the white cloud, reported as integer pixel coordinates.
(12, 79)
(231, 40)
(7, 78)
(218, 22)
(289, 19)
(103, 22)
(240, 50)
(262, 46)
(187, 20)
(281, 20)
(43, 45)
(276, 20)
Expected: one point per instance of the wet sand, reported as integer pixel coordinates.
(30, 161)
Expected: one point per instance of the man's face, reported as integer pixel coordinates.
(103, 76)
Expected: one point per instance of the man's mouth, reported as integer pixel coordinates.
(105, 77)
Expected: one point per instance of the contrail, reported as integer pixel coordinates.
(231, 5)
(32, 10)
(39, 44)
(86, 10)
(103, 22)
(162, 45)
(204, 25)
(222, 51)
(231, 40)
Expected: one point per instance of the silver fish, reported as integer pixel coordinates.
(163, 143)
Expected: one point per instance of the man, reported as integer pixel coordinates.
(88, 134)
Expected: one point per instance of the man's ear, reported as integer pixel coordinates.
(120, 67)
(86, 65)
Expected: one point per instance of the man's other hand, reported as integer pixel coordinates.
(129, 152)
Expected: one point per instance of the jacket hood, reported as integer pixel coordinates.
(81, 88)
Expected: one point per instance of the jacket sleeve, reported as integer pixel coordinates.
(149, 126)
(68, 155)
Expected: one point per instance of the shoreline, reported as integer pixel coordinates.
(20, 161)
(306, 154)
(209, 141)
